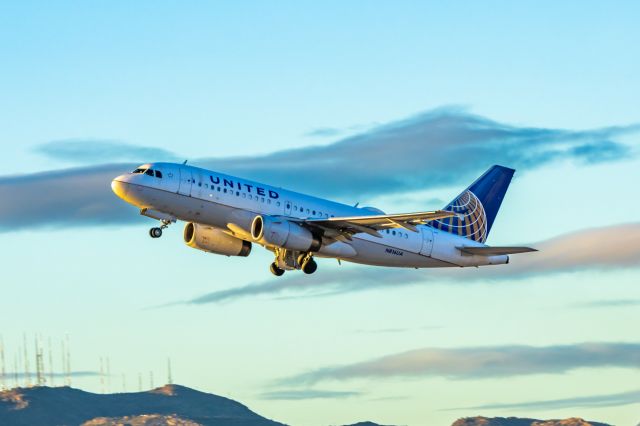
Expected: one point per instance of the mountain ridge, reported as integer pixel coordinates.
(43, 405)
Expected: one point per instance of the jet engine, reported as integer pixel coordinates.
(280, 232)
(214, 240)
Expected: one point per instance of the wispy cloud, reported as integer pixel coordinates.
(591, 249)
(432, 145)
(395, 330)
(22, 375)
(609, 303)
(100, 150)
(591, 401)
(442, 147)
(302, 394)
(72, 197)
(326, 132)
(480, 362)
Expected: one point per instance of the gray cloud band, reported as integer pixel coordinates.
(591, 249)
(603, 400)
(441, 147)
(303, 394)
(481, 362)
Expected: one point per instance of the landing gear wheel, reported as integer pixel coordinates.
(155, 232)
(310, 266)
(275, 270)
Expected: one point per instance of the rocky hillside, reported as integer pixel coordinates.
(514, 421)
(168, 405)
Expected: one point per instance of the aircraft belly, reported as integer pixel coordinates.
(372, 253)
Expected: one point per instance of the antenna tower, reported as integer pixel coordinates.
(101, 376)
(50, 363)
(27, 374)
(3, 384)
(68, 366)
(39, 364)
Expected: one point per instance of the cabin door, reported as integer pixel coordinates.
(186, 180)
(427, 240)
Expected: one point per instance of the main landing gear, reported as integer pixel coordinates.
(288, 261)
(307, 264)
(157, 232)
(275, 270)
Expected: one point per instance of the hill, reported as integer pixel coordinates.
(515, 421)
(168, 405)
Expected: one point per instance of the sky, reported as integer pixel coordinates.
(396, 105)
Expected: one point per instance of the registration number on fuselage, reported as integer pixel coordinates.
(394, 252)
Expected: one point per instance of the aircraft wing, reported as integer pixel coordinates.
(371, 224)
(495, 251)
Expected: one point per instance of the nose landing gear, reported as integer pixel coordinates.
(157, 232)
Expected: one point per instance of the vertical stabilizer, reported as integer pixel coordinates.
(478, 205)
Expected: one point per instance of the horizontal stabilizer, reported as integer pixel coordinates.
(495, 251)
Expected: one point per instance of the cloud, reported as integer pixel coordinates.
(32, 375)
(480, 362)
(445, 146)
(592, 249)
(99, 151)
(324, 132)
(610, 303)
(295, 395)
(442, 147)
(592, 401)
(80, 196)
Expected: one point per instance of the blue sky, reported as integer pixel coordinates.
(213, 82)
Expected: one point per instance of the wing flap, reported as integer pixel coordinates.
(345, 227)
(383, 221)
(495, 251)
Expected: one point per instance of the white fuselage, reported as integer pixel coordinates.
(230, 204)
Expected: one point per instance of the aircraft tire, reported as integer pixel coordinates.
(310, 266)
(275, 270)
(155, 232)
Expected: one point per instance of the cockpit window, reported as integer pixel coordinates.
(149, 172)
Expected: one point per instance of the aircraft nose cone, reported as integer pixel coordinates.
(120, 188)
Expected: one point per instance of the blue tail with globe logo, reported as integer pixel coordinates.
(477, 206)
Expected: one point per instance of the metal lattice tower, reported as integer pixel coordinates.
(108, 375)
(40, 380)
(27, 373)
(51, 382)
(68, 364)
(101, 376)
(3, 383)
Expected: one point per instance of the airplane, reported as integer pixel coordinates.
(226, 214)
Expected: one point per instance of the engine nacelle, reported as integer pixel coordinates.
(283, 233)
(214, 240)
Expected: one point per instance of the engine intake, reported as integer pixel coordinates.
(214, 240)
(280, 232)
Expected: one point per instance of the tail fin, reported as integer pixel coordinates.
(478, 205)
